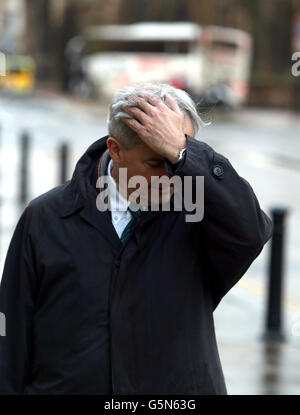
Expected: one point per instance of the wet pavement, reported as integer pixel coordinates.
(262, 145)
(251, 365)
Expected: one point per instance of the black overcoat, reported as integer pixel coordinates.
(87, 315)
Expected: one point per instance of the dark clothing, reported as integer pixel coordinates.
(86, 314)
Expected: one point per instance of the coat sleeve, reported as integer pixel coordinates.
(233, 228)
(17, 303)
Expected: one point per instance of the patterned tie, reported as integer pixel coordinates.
(129, 227)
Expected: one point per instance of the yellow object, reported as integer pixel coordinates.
(20, 74)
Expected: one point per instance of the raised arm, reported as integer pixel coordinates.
(234, 228)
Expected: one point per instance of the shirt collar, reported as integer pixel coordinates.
(117, 201)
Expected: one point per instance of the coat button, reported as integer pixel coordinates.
(218, 170)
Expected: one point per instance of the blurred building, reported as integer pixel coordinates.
(51, 23)
(12, 25)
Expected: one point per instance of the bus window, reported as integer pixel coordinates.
(224, 45)
(138, 46)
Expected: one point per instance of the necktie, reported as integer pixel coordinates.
(129, 227)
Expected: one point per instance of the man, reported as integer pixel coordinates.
(121, 301)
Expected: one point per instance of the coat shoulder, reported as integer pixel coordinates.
(45, 208)
(53, 198)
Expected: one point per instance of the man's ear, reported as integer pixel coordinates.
(115, 149)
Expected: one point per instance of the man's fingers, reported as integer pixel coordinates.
(133, 124)
(137, 113)
(144, 105)
(145, 102)
(173, 103)
(153, 100)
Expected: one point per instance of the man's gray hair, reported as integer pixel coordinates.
(126, 97)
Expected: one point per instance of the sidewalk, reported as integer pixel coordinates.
(72, 103)
(252, 366)
(247, 115)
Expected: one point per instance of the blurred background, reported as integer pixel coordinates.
(60, 63)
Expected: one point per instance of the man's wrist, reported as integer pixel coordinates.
(178, 153)
(174, 168)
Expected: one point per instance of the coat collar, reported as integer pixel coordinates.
(81, 193)
(82, 187)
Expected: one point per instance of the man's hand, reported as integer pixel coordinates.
(160, 127)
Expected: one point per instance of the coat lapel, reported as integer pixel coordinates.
(102, 222)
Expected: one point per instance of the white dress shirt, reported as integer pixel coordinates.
(120, 214)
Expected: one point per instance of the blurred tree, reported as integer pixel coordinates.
(40, 34)
(182, 11)
(144, 10)
(170, 10)
(68, 29)
(271, 28)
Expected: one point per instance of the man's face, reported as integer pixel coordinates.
(141, 161)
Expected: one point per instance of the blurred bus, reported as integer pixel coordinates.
(211, 62)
